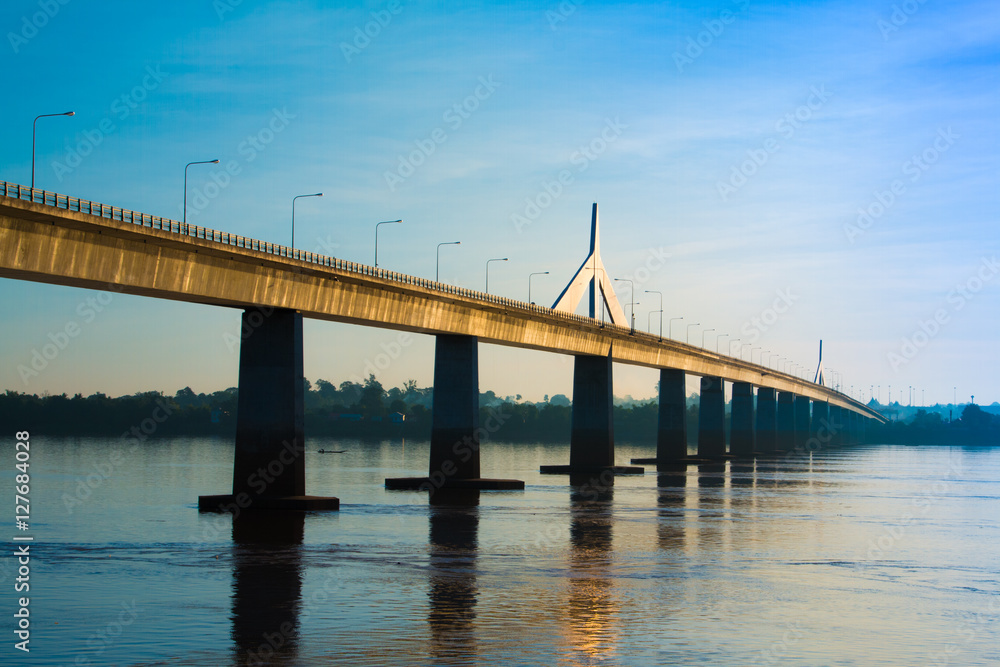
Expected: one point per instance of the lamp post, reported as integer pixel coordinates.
(735, 340)
(631, 299)
(718, 340)
(185, 214)
(703, 337)
(670, 326)
(387, 222)
(498, 259)
(649, 324)
(650, 291)
(536, 273)
(751, 353)
(317, 194)
(44, 115)
(437, 264)
(687, 338)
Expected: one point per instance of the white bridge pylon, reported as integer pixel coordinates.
(819, 379)
(592, 274)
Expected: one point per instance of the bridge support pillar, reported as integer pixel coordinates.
(269, 467)
(785, 440)
(820, 425)
(741, 433)
(592, 439)
(766, 420)
(712, 419)
(671, 427)
(455, 432)
(837, 426)
(802, 422)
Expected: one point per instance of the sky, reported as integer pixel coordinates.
(783, 173)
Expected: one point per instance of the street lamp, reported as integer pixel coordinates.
(650, 291)
(44, 115)
(703, 336)
(687, 339)
(498, 259)
(751, 353)
(649, 317)
(536, 273)
(317, 194)
(730, 351)
(631, 298)
(718, 340)
(437, 265)
(186, 188)
(387, 222)
(670, 326)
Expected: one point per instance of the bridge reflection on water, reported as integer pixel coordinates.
(580, 606)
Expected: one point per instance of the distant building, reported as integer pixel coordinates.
(397, 418)
(346, 417)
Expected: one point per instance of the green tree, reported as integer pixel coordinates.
(372, 398)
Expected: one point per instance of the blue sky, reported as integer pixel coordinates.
(742, 139)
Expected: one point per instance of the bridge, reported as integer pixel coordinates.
(53, 238)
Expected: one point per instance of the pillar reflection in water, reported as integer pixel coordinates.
(671, 481)
(592, 606)
(267, 587)
(452, 592)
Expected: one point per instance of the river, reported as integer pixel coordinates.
(878, 555)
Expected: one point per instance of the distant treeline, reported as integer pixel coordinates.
(351, 409)
(975, 427)
(366, 409)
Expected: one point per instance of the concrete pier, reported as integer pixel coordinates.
(455, 432)
(671, 426)
(592, 439)
(802, 422)
(767, 420)
(712, 419)
(269, 465)
(820, 424)
(741, 432)
(785, 440)
(836, 426)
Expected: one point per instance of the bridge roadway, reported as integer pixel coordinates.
(52, 238)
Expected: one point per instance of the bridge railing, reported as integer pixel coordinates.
(68, 203)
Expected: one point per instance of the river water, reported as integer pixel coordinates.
(881, 555)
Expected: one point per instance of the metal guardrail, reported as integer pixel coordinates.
(68, 203)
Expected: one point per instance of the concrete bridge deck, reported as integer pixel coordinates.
(51, 238)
